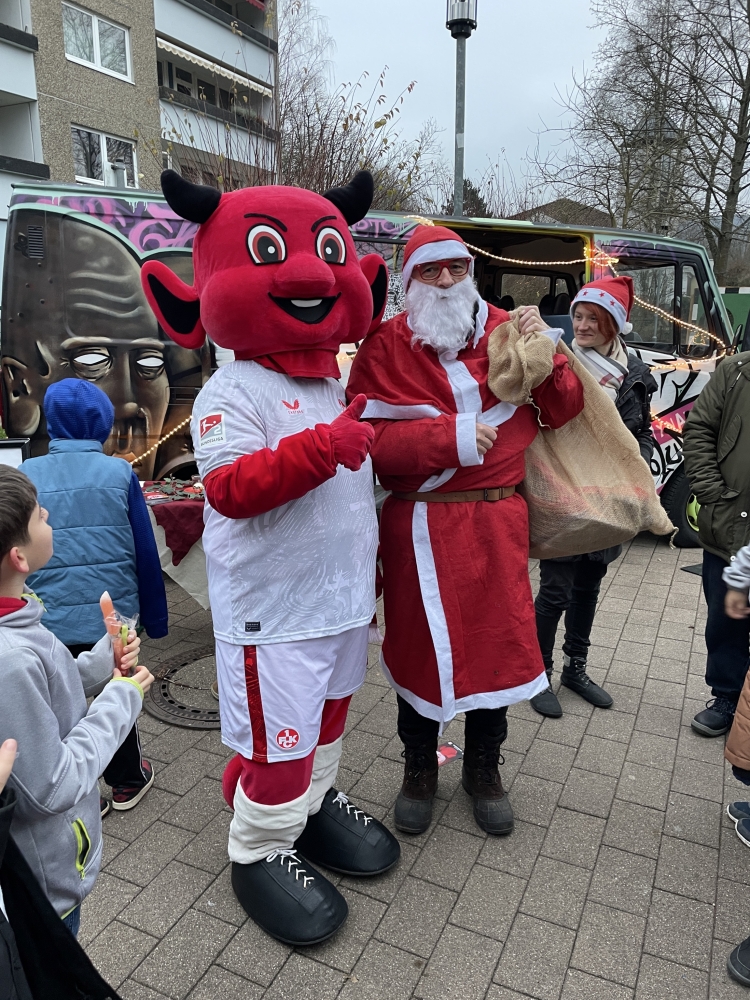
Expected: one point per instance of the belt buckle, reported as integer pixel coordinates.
(487, 496)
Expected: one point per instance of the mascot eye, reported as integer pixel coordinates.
(330, 246)
(266, 245)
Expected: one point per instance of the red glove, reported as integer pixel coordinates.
(351, 439)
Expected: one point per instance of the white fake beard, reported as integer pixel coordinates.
(442, 317)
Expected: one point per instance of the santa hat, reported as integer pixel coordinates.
(613, 294)
(428, 243)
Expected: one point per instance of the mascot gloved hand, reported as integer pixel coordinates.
(291, 534)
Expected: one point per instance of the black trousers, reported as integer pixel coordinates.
(126, 767)
(482, 725)
(569, 588)
(727, 639)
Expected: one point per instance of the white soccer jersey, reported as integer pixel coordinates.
(307, 568)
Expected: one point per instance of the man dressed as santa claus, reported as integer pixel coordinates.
(459, 616)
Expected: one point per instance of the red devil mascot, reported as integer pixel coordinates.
(291, 534)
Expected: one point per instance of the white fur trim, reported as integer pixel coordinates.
(393, 411)
(325, 769)
(439, 250)
(256, 829)
(598, 297)
(466, 440)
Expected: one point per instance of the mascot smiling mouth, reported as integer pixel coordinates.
(308, 310)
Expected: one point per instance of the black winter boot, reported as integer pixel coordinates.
(574, 676)
(481, 779)
(546, 702)
(413, 812)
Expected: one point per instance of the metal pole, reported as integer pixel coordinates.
(458, 174)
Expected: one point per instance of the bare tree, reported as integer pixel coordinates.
(657, 134)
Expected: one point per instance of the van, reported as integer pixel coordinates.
(72, 305)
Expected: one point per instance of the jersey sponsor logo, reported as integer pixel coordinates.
(293, 409)
(212, 430)
(342, 404)
(287, 739)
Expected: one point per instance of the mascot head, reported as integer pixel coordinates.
(276, 273)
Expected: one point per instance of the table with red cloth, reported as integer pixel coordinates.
(178, 530)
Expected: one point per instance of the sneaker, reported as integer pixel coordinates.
(715, 719)
(738, 963)
(546, 702)
(127, 796)
(104, 806)
(738, 810)
(743, 831)
(575, 678)
(345, 839)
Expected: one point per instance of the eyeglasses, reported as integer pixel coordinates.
(434, 268)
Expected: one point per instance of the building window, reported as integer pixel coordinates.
(92, 41)
(103, 159)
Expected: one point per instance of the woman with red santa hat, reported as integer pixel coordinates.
(571, 584)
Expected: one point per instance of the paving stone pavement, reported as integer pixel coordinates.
(623, 880)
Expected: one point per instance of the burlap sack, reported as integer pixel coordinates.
(518, 364)
(587, 486)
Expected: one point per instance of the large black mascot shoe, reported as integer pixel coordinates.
(346, 840)
(290, 900)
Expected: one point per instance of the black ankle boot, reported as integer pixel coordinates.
(574, 676)
(546, 702)
(413, 811)
(481, 779)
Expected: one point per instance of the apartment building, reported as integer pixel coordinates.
(109, 92)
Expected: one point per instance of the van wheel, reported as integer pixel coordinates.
(679, 501)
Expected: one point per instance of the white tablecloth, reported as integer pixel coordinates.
(191, 573)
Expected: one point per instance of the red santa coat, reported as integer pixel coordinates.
(460, 625)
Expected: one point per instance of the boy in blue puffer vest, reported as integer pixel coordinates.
(103, 541)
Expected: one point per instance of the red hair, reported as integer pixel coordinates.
(605, 320)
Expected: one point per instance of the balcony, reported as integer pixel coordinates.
(17, 76)
(174, 103)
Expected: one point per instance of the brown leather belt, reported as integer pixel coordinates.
(467, 496)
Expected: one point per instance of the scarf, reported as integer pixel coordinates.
(609, 371)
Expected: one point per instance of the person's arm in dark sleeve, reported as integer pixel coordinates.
(152, 597)
(645, 436)
(700, 438)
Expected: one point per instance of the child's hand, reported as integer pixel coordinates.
(735, 604)
(130, 654)
(7, 757)
(142, 675)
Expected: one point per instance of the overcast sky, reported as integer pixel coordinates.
(521, 52)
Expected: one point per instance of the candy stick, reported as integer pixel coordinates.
(114, 628)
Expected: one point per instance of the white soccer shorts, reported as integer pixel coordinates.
(272, 696)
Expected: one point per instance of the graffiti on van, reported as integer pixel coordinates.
(74, 307)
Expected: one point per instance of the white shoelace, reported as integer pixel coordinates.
(342, 800)
(292, 862)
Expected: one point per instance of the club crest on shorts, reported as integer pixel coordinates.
(287, 739)
(212, 430)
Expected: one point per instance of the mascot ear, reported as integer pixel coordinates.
(175, 304)
(375, 270)
(194, 202)
(354, 199)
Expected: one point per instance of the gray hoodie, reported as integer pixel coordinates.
(737, 574)
(63, 747)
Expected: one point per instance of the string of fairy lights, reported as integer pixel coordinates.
(595, 256)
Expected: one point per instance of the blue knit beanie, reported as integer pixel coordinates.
(78, 410)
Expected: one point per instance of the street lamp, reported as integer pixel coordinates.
(460, 20)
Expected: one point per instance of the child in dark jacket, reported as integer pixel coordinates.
(103, 541)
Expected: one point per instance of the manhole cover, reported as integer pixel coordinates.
(181, 693)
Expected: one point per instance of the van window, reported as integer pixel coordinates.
(655, 286)
(693, 310)
(526, 289)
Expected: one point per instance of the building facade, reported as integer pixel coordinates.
(109, 92)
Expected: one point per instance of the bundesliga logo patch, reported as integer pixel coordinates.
(212, 430)
(287, 739)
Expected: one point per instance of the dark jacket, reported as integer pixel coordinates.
(634, 406)
(39, 957)
(716, 448)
